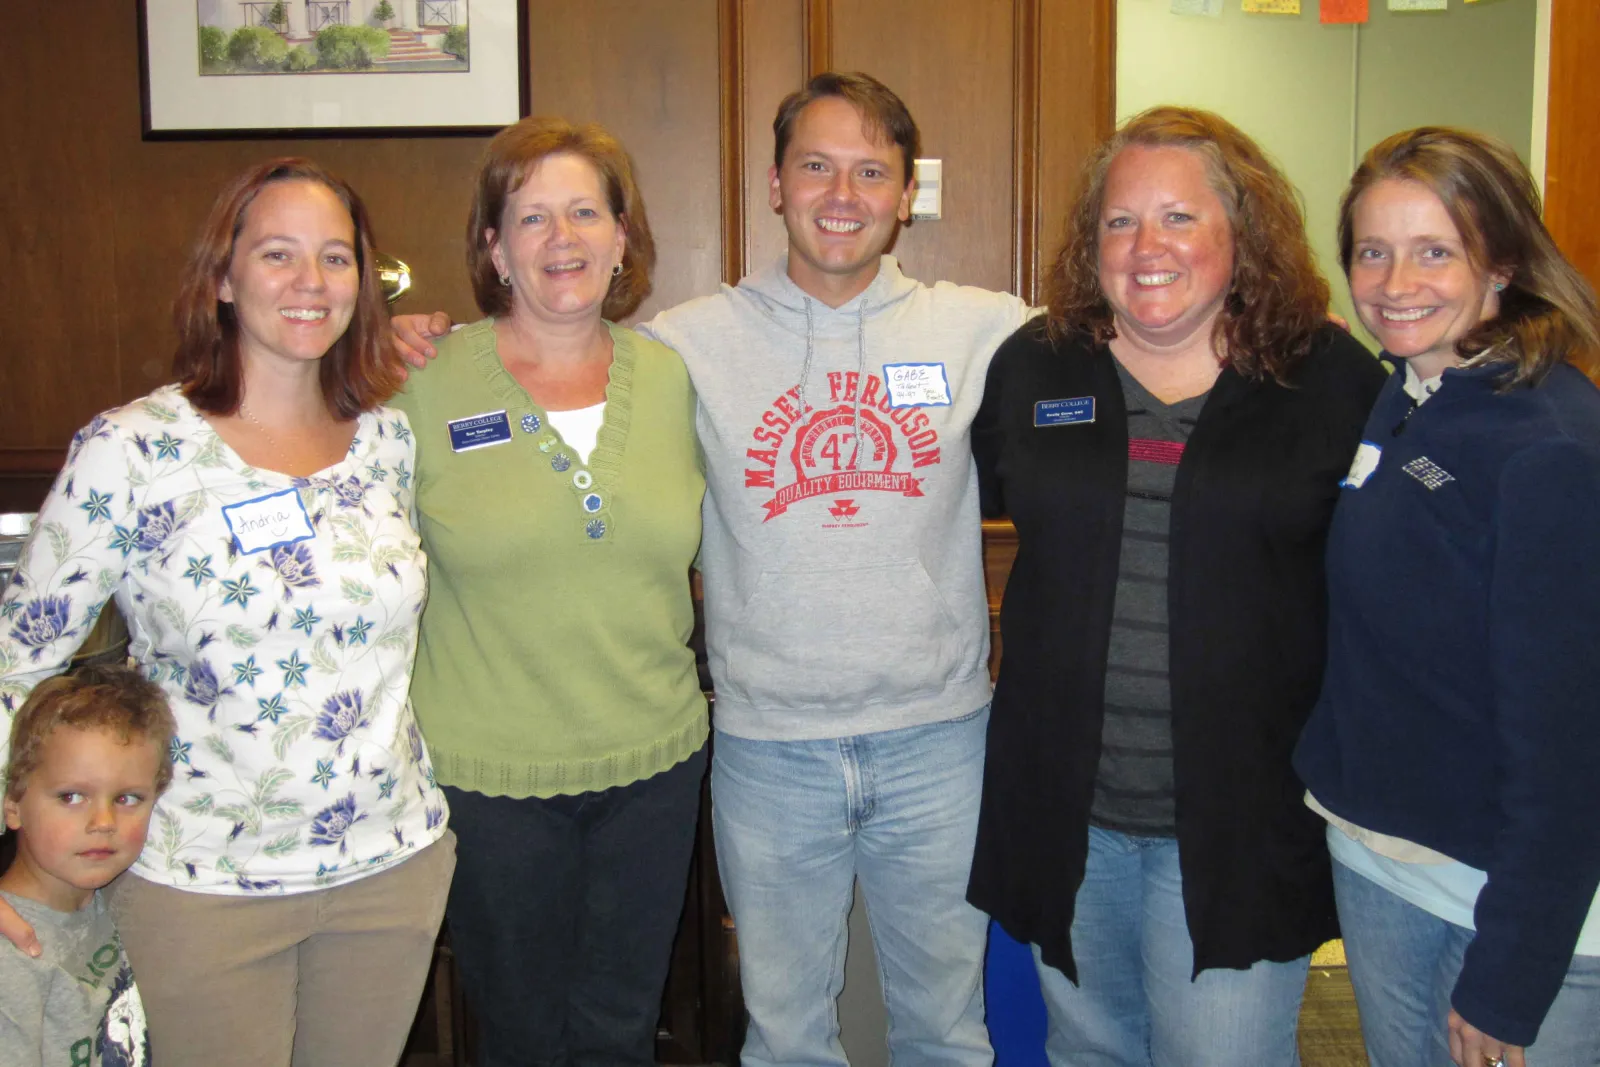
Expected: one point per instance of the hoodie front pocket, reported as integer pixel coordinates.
(847, 636)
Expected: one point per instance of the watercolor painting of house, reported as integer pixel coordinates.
(332, 36)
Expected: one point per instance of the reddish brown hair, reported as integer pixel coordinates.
(1548, 312)
(1277, 300)
(118, 700)
(357, 372)
(508, 161)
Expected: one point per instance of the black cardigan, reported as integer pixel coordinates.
(1248, 614)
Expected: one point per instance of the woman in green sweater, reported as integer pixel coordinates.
(558, 491)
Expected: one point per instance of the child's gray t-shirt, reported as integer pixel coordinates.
(76, 1005)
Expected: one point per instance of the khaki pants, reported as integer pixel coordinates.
(323, 979)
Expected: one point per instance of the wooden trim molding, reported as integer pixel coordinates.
(31, 461)
(818, 37)
(1025, 149)
(731, 105)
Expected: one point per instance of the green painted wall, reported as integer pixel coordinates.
(1316, 97)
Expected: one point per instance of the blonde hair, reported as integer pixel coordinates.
(118, 700)
(1548, 313)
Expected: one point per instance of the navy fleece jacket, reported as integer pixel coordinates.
(1461, 704)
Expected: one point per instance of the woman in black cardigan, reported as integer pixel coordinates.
(1169, 442)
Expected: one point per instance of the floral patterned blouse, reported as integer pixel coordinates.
(279, 614)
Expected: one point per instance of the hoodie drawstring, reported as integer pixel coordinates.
(861, 369)
(861, 375)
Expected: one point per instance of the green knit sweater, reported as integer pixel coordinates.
(554, 655)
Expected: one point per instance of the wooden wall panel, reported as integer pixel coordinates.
(1572, 161)
(649, 73)
(957, 80)
(774, 66)
(58, 256)
(1077, 107)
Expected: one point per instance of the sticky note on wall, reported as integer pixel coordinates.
(1272, 7)
(1342, 11)
(1416, 5)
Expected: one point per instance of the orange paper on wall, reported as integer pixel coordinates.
(1272, 7)
(1337, 11)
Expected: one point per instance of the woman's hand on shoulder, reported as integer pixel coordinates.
(1471, 1047)
(15, 929)
(410, 335)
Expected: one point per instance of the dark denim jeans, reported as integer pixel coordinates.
(562, 916)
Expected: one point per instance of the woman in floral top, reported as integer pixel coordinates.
(253, 523)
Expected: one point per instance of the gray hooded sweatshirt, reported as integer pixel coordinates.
(843, 570)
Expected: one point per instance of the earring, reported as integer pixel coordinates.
(616, 270)
(1499, 287)
(505, 280)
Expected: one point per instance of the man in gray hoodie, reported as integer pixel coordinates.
(846, 619)
(847, 624)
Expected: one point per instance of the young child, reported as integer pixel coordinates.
(88, 758)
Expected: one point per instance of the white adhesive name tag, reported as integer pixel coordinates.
(268, 521)
(914, 385)
(1362, 466)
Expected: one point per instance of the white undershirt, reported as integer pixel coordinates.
(580, 427)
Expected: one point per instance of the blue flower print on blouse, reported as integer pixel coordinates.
(156, 524)
(200, 687)
(286, 668)
(295, 567)
(334, 821)
(349, 491)
(341, 715)
(42, 621)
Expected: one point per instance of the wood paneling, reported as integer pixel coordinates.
(957, 81)
(649, 73)
(1572, 161)
(775, 66)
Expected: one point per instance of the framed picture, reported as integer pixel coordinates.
(331, 68)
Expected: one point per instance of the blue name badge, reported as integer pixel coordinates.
(268, 521)
(479, 431)
(1064, 412)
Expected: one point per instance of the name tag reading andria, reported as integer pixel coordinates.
(268, 521)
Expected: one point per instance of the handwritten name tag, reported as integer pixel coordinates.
(1362, 466)
(479, 431)
(916, 385)
(268, 521)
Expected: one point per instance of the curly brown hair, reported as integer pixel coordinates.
(356, 374)
(1548, 311)
(116, 699)
(510, 157)
(1278, 298)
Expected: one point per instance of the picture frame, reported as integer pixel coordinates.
(228, 69)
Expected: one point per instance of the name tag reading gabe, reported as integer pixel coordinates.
(268, 521)
(479, 431)
(1069, 412)
(913, 385)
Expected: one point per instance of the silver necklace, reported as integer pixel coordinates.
(257, 423)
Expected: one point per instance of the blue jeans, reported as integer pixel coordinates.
(562, 916)
(1404, 962)
(1135, 1004)
(797, 822)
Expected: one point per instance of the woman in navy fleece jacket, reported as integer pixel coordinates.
(1455, 750)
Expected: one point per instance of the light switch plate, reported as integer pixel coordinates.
(928, 203)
